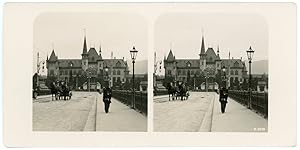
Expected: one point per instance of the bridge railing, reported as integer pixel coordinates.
(259, 100)
(126, 96)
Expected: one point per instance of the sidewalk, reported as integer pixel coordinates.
(237, 118)
(120, 118)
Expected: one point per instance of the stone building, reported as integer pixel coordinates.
(92, 67)
(208, 67)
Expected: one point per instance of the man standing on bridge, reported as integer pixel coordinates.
(223, 98)
(107, 93)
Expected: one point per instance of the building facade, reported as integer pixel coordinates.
(91, 68)
(205, 72)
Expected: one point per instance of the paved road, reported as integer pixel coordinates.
(201, 113)
(82, 114)
(120, 118)
(62, 115)
(237, 118)
(181, 116)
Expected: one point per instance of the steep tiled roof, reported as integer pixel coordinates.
(211, 55)
(114, 63)
(232, 63)
(93, 55)
(63, 63)
(184, 63)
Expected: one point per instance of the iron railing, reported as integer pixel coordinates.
(259, 100)
(125, 96)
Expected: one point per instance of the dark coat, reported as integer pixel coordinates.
(223, 95)
(107, 93)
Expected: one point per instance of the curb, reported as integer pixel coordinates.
(90, 122)
(207, 120)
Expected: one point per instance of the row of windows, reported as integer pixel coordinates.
(185, 72)
(118, 72)
(234, 72)
(68, 72)
(192, 72)
(117, 79)
(235, 79)
(74, 72)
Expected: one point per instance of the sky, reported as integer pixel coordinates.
(117, 33)
(234, 33)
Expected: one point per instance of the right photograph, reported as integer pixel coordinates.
(210, 73)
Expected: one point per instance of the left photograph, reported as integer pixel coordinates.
(89, 72)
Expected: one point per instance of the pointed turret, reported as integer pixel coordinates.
(100, 56)
(53, 57)
(218, 52)
(202, 47)
(84, 46)
(170, 56)
(84, 51)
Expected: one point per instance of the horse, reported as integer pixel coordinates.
(183, 91)
(54, 91)
(171, 91)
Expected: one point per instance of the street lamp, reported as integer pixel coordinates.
(250, 53)
(106, 74)
(206, 81)
(89, 80)
(133, 54)
(224, 79)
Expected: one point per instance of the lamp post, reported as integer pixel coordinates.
(106, 74)
(133, 54)
(206, 81)
(89, 80)
(188, 75)
(250, 53)
(224, 79)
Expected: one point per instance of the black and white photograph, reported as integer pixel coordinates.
(210, 73)
(89, 72)
(133, 74)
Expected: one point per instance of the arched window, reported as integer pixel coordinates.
(236, 72)
(118, 72)
(231, 72)
(114, 72)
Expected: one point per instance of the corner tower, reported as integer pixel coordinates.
(170, 66)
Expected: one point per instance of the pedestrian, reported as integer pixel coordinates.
(107, 93)
(223, 98)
